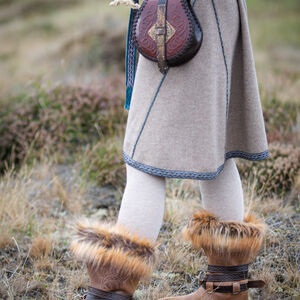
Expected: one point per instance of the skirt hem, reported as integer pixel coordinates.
(191, 174)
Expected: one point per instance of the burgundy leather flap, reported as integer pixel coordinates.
(179, 28)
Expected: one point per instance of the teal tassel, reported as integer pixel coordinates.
(128, 97)
(130, 64)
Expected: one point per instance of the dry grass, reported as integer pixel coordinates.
(39, 203)
(73, 44)
(31, 200)
(274, 29)
(35, 206)
(68, 44)
(40, 247)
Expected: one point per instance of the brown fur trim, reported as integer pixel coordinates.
(114, 246)
(207, 231)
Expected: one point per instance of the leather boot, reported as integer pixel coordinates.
(116, 259)
(229, 246)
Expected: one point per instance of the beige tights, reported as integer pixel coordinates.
(143, 202)
(223, 196)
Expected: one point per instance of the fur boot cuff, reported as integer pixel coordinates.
(113, 246)
(216, 236)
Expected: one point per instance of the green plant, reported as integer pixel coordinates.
(103, 161)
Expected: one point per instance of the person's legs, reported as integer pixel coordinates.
(119, 255)
(229, 239)
(143, 203)
(223, 196)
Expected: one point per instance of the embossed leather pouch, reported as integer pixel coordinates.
(167, 32)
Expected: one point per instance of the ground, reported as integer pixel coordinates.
(62, 62)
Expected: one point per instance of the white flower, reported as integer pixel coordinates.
(129, 3)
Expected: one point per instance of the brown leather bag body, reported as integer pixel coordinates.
(167, 32)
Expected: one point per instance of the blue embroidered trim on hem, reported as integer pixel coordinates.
(191, 174)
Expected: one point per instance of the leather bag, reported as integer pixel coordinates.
(167, 32)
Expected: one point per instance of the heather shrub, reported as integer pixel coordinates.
(59, 119)
(103, 161)
(282, 121)
(276, 174)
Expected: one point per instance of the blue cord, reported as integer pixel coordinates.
(130, 64)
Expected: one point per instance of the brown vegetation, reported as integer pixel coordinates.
(61, 149)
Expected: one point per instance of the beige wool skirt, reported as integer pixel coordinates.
(187, 122)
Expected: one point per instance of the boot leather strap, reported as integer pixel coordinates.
(226, 277)
(161, 32)
(234, 287)
(226, 274)
(227, 269)
(97, 294)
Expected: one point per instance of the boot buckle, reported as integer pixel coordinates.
(236, 288)
(209, 286)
